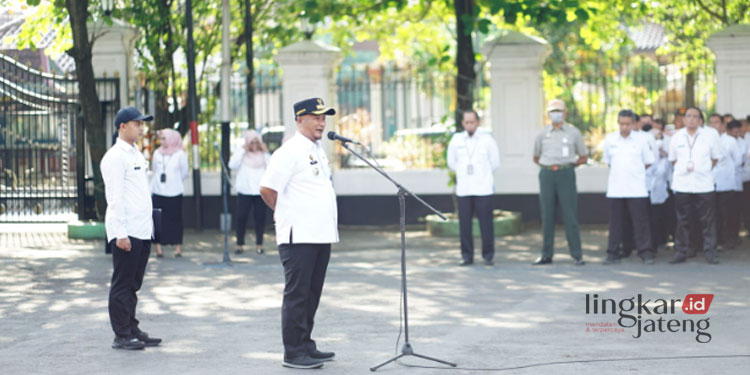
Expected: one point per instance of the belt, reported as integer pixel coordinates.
(558, 167)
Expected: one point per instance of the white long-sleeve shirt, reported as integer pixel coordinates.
(248, 179)
(473, 158)
(726, 169)
(125, 174)
(697, 152)
(175, 167)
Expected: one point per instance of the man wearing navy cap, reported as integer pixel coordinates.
(297, 186)
(129, 226)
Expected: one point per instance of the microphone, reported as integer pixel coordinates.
(335, 137)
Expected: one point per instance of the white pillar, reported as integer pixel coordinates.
(517, 107)
(112, 56)
(732, 49)
(307, 72)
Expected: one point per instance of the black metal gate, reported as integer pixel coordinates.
(39, 116)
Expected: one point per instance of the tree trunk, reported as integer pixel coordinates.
(90, 105)
(690, 89)
(464, 60)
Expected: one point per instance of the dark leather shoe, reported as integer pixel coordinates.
(578, 261)
(712, 260)
(128, 343)
(542, 260)
(678, 259)
(303, 362)
(465, 263)
(489, 262)
(149, 341)
(323, 356)
(612, 260)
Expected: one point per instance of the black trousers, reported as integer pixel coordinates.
(695, 211)
(482, 205)
(746, 206)
(245, 203)
(658, 224)
(725, 220)
(305, 268)
(735, 212)
(127, 278)
(634, 210)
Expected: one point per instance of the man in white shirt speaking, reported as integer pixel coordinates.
(628, 156)
(129, 226)
(473, 156)
(297, 185)
(694, 151)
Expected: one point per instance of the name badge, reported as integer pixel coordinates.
(565, 151)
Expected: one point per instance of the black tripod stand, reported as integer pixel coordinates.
(402, 192)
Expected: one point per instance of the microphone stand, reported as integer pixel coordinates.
(407, 349)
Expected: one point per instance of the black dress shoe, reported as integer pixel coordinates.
(128, 343)
(466, 263)
(578, 261)
(488, 262)
(712, 260)
(678, 259)
(149, 341)
(303, 362)
(542, 260)
(239, 251)
(323, 356)
(612, 260)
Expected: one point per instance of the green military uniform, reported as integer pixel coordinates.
(558, 150)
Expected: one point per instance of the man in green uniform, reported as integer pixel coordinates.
(558, 149)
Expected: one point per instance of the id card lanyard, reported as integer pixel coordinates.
(470, 167)
(163, 176)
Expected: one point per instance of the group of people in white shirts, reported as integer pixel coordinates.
(685, 180)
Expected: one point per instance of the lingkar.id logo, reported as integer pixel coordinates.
(637, 313)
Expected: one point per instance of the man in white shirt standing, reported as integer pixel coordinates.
(473, 156)
(726, 184)
(694, 152)
(734, 130)
(628, 155)
(129, 227)
(297, 185)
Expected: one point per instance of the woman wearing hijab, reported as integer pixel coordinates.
(170, 167)
(251, 161)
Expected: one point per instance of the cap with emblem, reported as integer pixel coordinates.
(130, 114)
(312, 106)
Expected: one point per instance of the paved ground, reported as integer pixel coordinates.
(53, 308)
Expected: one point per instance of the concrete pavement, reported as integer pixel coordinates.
(226, 320)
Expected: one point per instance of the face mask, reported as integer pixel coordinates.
(556, 117)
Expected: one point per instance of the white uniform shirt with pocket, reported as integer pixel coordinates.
(306, 210)
(129, 209)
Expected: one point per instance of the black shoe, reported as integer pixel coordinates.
(239, 251)
(466, 263)
(323, 356)
(128, 343)
(160, 255)
(678, 259)
(489, 262)
(303, 362)
(149, 341)
(542, 260)
(178, 255)
(712, 260)
(612, 260)
(579, 261)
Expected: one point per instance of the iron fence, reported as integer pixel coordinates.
(40, 176)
